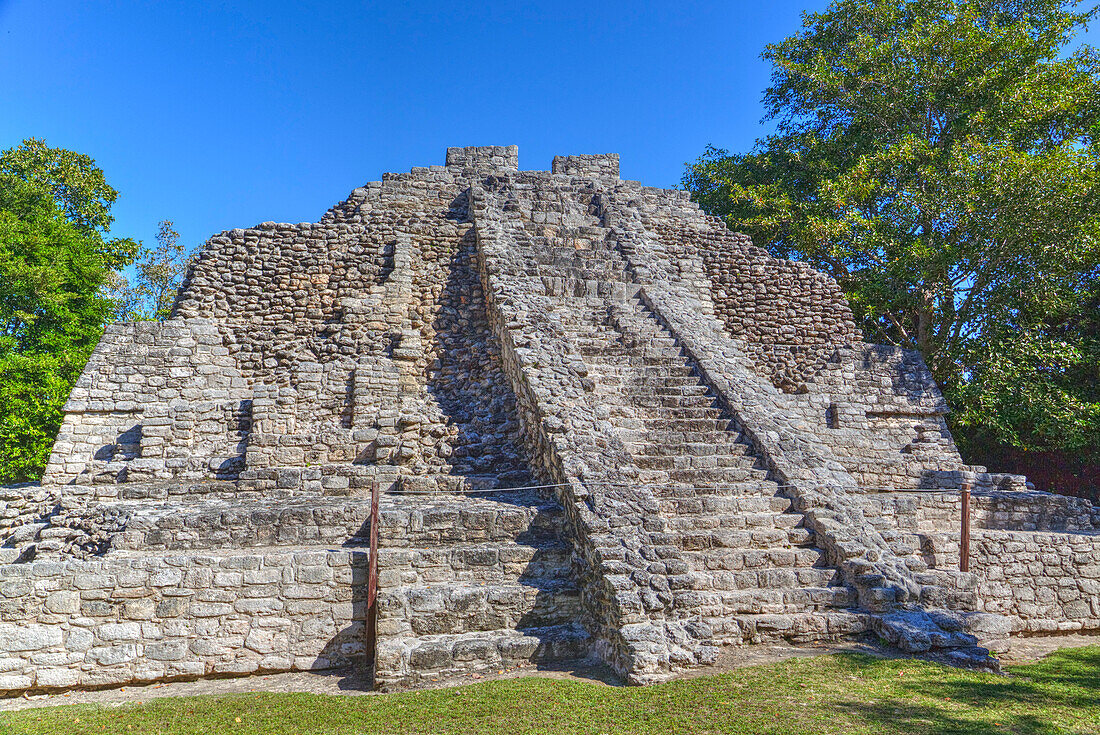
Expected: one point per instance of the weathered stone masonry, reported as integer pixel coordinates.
(605, 427)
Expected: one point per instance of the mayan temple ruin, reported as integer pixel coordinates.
(603, 428)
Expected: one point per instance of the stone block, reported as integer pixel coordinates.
(14, 638)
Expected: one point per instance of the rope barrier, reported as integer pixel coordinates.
(661, 486)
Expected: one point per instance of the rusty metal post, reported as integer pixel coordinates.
(372, 572)
(964, 541)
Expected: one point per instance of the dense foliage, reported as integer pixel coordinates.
(940, 159)
(55, 259)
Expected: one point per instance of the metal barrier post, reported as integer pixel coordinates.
(964, 544)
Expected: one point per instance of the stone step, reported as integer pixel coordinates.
(729, 603)
(641, 326)
(670, 435)
(718, 505)
(674, 373)
(664, 488)
(217, 523)
(9, 555)
(800, 536)
(610, 336)
(649, 399)
(658, 415)
(674, 402)
(587, 258)
(678, 391)
(464, 563)
(756, 555)
(407, 520)
(579, 265)
(684, 425)
(825, 625)
(583, 263)
(451, 608)
(652, 415)
(714, 540)
(567, 283)
(731, 448)
(595, 251)
(428, 521)
(636, 308)
(550, 252)
(656, 339)
(915, 563)
(403, 661)
(736, 468)
(715, 478)
(605, 352)
(628, 385)
(644, 329)
(775, 578)
(633, 420)
(47, 533)
(174, 489)
(643, 362)
(675, 439)
(691, 461)
(720, 529)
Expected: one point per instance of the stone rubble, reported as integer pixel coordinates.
(605, 427)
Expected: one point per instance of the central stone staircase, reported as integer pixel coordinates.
(745, 561)
(738, 557)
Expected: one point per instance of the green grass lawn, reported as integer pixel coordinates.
(844, 693)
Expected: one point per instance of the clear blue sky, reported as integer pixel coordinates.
(225, 114)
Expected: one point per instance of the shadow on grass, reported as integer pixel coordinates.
(1072, 667)
(1026, 700)
(902, 716)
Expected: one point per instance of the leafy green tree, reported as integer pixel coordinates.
(55, 259)
(71, 180)
(33, 388)
(159, 272)
(1037, 386)
(940, 159)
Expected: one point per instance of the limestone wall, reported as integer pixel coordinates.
(881, 412)
(1041, 582)
(791, 316)
(484, 158)
(1046, 582)
(592, 166)
(156, 400)
(357, 340)
(150, 618)
(1010, 511)
(23, 504)
(1034, 557)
